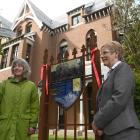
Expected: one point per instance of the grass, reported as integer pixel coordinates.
(35, 137)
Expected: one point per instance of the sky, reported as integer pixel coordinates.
(52, 8)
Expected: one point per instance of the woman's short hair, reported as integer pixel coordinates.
(24, 64)
(114, 46)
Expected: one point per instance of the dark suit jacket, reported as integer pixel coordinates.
(115, 103)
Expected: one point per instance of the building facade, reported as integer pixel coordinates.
(35, 32)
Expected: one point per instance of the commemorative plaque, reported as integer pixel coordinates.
(66, 81)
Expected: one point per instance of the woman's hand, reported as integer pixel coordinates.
(99, 132)
(31, 131)
(96, 130)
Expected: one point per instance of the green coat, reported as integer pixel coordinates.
(19, 107)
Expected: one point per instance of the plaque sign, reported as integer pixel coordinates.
(66, 82)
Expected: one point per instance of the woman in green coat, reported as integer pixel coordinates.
(19, 104)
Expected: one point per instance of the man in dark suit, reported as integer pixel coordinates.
(115, 118)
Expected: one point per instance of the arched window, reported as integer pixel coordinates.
(28, 52)
(62, 49)
(4, 58)
(14, 53)
(19, 31)
(29, 27)
(89, 42)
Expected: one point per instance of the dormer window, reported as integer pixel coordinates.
(76, 19)
(28, 27)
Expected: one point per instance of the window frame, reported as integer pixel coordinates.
(76, 19)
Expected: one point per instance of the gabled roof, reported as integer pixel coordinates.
(5, 28)
(37, 15)
(59, 21)
(40, 15)
(40, 18)
(45, 19)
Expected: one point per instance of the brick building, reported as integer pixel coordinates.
(35, 32)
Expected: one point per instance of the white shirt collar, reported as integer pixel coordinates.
(116, 64)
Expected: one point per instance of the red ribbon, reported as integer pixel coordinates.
(42, 75)
(94, 68)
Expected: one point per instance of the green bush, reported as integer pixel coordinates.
(137, 93)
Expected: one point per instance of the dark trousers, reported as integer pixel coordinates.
(128, 134)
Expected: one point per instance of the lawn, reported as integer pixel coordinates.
(34, 137)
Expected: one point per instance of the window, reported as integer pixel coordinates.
(62, 52)
(14, 53)
(62, 49)
(19, 31)
(91, 39)
(28, 27)
(28, 52)
(4, 58)
(76, 19)
(88, 46)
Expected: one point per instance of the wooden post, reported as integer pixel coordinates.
(83, 50)
(44, 104)
(95, 84)
(65, 125)
(75, 121)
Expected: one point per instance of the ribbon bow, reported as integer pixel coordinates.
(94, 68)
(43, 67)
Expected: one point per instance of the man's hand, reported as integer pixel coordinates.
(96, 130)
